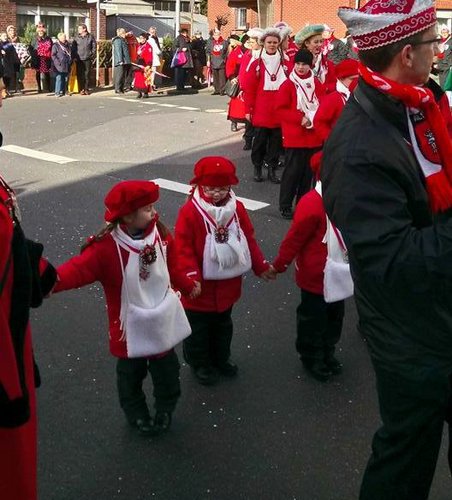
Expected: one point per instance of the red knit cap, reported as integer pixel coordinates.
(127, 196)
(347, 67)
(215, 171)
(316, 161)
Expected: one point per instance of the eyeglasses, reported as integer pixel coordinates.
(212, 190)
(436, 40)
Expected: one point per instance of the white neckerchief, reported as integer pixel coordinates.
(227, 254)
(146, 293)
(343, 90)
(307, 100)
(320, 70)
(272, 67)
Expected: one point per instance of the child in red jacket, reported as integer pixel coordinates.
(319, 324)
(134, 259)
(216, 246)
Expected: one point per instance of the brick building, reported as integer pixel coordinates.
(243, 14)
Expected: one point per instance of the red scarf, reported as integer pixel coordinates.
(434, 148)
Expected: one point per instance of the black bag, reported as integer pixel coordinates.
(232, 88)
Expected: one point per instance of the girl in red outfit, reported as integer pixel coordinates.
(319, 324)
(296, 105)
(143, 76)
(236, 111)
(216, 246)
(134, 259)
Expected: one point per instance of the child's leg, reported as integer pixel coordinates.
(220, 342)
(196, 346)
(165, 377)
(130, 375)
(335, 315)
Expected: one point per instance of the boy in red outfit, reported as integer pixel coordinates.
(215, 246)
(319, 324)
(134, 259)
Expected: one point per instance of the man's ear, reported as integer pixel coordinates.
(406, 56)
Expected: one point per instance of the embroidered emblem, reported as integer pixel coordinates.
(221, 234)
(148, 256)
(431, 140)
(273, 78)
(308, 85)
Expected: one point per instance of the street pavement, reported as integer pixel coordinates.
(272, 433)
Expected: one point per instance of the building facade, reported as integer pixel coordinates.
(243, 14)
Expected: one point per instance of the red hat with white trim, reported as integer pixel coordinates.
(383, 22)
(215, 171)
(347, 67)
(127, 196)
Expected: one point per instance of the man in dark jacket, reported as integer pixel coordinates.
(121, 59)
(217, 52)
(387, 186)
(83, 51)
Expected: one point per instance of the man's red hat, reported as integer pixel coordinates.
(127, 196)
(215, 171)
(347, 67)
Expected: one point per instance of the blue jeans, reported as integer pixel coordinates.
(60, 83)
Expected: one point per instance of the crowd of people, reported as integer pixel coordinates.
(365, 133)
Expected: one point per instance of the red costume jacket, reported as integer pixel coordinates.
(100, 262)
(259, 103)
(144, 57)
(294, 135)
(331, 106)
(190, 236)
(236, 109)
(303, 242)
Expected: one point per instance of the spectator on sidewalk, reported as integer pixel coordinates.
(9, 61)
(154, 42)
(121, 59)
(23, 56)
(61, 63)
(132, 45)
(180, 72)
(217, 52)
(41, 58)
(83, 51)
(198, 50)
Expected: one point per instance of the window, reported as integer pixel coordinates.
(22, 20)
(240, 18)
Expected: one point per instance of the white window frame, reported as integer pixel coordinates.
(241, 12)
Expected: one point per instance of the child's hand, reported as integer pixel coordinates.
(270, 274)
(196, 292)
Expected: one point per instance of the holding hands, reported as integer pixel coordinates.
(270, 274)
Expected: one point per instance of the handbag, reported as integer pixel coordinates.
(337, 280)
(179, 59)
(232, 88)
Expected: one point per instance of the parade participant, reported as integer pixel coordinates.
(182, 43)
(288, 46)
(387, 186)
(217, 52)
(134, 259)
(261, 83)
(319, 324)
(334, 49)
(61, 63)
(153, 41)
(296, 105)
(215, 245)
(142, 82)
(310, 37)
(84, 51)
(121, 59)
(24, 279)
(41, 53)
(332, 104)
(444, 58)
(253, 51)
(236, 110)
(132, 47)
(351, 46)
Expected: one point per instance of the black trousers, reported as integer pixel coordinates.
(119, 78)
(266, 145)
(130, 374)
(319, 326)
(219, 79)
(296, 179)
(180, 75)
(405, 449)
(83, 73)
(249, 131)
(128, 76)
(210, 341)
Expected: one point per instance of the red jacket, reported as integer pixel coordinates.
(190, 236)
(236, 110)
(259, 103)
(294, 135)
(330, 80)
(100, 262)
(331, 106)
(303, 241)
(233, 62)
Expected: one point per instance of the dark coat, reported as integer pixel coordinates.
(182, 42)
(400, 253)
(198, 49)
(9, 60)
(217, 61)
(61, 57)
(121, 53)
(84, 47)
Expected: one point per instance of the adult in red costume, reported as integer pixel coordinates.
(236, 111)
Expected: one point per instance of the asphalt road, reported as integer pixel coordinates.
(273, 433)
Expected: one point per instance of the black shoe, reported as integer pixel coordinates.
(272, 177)
(248, 146)
(333, 364)
(318, 370)
(258, 173)
(206, 375)
(215, 93)
(145, 426)
(228, 369)
(139, 95)
(119, 91)
(162, 421)
(234, 127)
(286, 213)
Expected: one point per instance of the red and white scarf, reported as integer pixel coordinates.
(272, 66)
(429, 137)
(307, 100)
